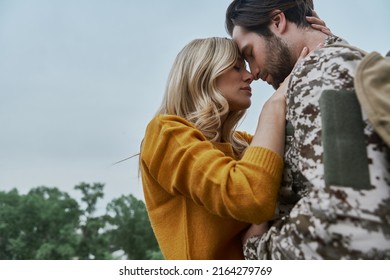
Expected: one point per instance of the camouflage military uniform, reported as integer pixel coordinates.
(316, 220)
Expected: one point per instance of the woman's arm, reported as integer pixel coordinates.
(271, 125)
(177, 156)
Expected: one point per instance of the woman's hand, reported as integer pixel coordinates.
(254, 230)
(318, 24)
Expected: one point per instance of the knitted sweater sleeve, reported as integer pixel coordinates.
(179, 158)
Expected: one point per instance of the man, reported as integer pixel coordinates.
(334, 202)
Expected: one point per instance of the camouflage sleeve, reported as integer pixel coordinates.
(250, 247)
(329, 221)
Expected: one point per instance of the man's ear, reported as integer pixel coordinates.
(278, 22)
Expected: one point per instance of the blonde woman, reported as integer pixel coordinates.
(204, 182)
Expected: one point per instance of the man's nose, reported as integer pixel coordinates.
(254, 70)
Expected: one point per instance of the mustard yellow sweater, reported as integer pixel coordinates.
(199, 197)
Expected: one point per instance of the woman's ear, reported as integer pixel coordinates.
(278, 22)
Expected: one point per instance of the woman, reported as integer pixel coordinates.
(204, 182)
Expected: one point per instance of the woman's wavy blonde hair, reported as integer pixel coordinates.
(191, 91)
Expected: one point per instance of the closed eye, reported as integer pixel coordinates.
(248, 57)
(247, 53)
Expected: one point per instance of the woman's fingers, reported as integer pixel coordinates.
(314, 13)
(303, 53)
(315, 20)
(318, 24)
(321, 28)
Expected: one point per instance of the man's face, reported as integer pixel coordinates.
(269, 59)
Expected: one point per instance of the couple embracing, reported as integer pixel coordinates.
(313, 180)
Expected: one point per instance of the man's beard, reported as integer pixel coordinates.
(279, 61)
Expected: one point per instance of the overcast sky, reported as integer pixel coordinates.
(80, 79)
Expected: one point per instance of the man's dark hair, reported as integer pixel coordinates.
(256, 15)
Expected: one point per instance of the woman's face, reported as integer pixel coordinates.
(234, 85)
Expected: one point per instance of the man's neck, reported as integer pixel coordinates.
(299, 38)
(313, 39)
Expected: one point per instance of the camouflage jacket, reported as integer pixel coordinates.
(334, 202)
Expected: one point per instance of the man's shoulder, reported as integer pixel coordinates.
(336, 54)
(335, 46)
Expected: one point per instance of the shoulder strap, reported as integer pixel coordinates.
(372, 86)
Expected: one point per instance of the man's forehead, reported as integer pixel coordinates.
(239, 35)
(238, 32)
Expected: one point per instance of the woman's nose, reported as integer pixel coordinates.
(248, 77)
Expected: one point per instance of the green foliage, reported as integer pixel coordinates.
(94, 242)
(47, 223)
(131, 230)
(91, 194)
(39, 225)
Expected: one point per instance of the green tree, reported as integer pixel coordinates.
(131, 231)
(39, 225)
(94, 241)
(48, 224)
